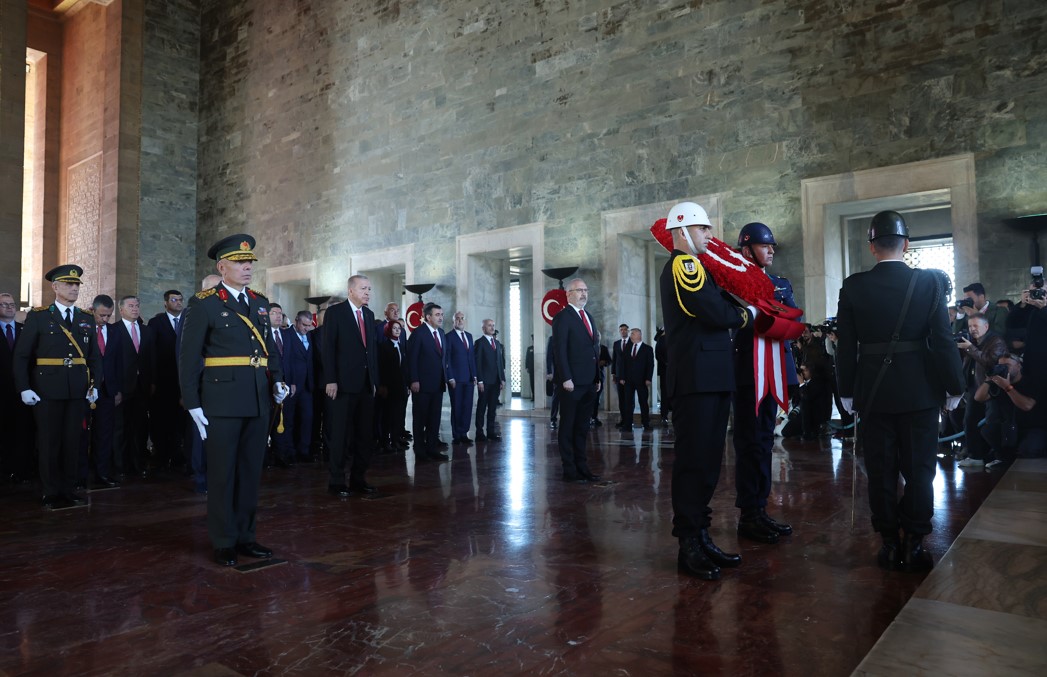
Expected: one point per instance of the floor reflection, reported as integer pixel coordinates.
(486, 565)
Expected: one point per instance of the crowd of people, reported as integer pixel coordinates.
(214, 388)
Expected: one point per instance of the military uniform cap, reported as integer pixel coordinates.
(65, 273)
(888, 223)
(233, 248)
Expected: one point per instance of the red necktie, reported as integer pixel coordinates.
(465, 342)
(134, 335)
(636, 346)
(101, 341)
(585, 321)
(279, 341)
(492, 345)
(360, 322)
(439, 346)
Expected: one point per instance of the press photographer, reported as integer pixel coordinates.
(1014, 425)
(1018, 319)
(974, 302)
(980, 353)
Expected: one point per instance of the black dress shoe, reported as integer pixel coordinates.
(339, 490)
(914, 558)
(552, 425)
(693, 561)
(589, 477)
(574, 479)
(480, 437)
(104, 481)
(781, 528)
(597, 422)
(80, 485)
(648, 426)
(495, 437)
(717, 556)
(890, 555)
(56, 502)
(440, 444)
(437, 457)
(752, 528)
(256, 550)
(363, 487)
(75, 498)
(281, 463)
(225, 557)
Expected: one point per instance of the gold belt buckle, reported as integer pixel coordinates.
(68, 361)
(256, 361)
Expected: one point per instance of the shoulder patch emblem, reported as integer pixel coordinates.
(205, 293)
(689, 266)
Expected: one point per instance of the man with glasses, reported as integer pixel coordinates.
(575, 354)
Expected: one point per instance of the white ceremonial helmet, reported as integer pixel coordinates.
(687, 214)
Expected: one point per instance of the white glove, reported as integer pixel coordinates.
(29, 397)
(952, 402)
(280, 392)
(200, 420)
(92, 395)
(848, 404)
(753, 310)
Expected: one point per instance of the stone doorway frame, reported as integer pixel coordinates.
(826, 201)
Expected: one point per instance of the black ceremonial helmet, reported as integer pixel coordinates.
(888, 223)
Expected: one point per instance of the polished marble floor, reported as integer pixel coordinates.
(487, 565)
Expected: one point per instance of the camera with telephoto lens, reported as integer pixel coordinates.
(1037, 281)
(1001, 370)
(961, 336)
(965, 303)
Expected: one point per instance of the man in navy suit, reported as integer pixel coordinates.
(635, 371)
(299, 375)
(131, 429)
(616, 354)
(16, 418)
(350, 368)
(576, 351)
(427, 371)
(461, 378)
(490, 379)
(166, 415)
(103, 416)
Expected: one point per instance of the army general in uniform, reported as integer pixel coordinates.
(56, 362)
(227, 394)
(698, 319)
(895, 362)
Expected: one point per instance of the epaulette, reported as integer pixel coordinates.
(205, 293)
(40, 309)
(85, 310)
(256, 295)
(689, 275)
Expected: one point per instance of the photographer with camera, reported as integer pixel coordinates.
(974, 302)
(980, 353)
(1018, 319)
(1014, 425)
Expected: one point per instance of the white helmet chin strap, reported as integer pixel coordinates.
(690, 242)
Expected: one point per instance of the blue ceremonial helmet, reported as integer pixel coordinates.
(755, 233)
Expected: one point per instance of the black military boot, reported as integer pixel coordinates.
(781, 528)
(693, 561)
(752, 527)
(718, 557)
(914, 558)
(890, 555)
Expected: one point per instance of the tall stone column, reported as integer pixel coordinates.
(12, 139)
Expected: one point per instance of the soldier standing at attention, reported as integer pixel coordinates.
(56, 362)
(698, 319)
(227, 394)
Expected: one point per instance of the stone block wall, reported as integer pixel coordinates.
(328, 128)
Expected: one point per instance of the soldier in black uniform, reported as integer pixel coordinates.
(698, 320)
(227, 394)
(895, 361)
(56, 362)
(754, 432)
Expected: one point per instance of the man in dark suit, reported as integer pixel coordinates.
(166, 413)
(16, 418)
(131, 432)
(635, 371)
(350, 375)
(228, 394)
(698, 322)
(754, 424)
(461, 379)
(576, 351)
(616, 354)
(427, 371)
(56, 367)
(895, 361)
(293, 443)
(103, 415)
(551, 389)
(490, 380)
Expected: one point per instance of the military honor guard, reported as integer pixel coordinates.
(230, 373)
(895, 363)
(56, 364)
(698, 321)
(754, 423)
